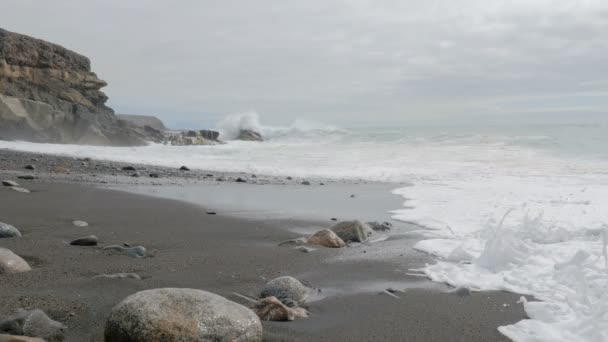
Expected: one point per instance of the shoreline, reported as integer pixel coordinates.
(218, 253)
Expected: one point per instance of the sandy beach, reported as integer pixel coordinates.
(218, 253)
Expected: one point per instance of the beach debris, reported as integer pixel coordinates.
(135, 252)
(59, 169)
(377, 226)
(326, 238)
(29, 167)
(184, 168)
(293, 242)
(154, 175)
(119, 276)
(20, 189)
(241, 180)
(33, 323)
(288, 290)
(271, 309)
(8, 231)
(352, 231)
(12, 263)
(14, 338)
(174, 314)
(90, 240)
(78, 223)
(129, 168)
(9, 183)
(27, 177)
(305, 183)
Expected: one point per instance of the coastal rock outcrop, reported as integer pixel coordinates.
(352, 231)
(33, 323)
(49, 94)
(249, 135)
(187, 138)
(173, 314)
(12, 263)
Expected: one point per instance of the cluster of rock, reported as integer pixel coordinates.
(338, 235)
(187, 138)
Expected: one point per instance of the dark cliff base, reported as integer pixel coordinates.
(219, 254)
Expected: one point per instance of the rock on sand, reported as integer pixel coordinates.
(33, 323)
(8, 231)
(173, 314)
(352, 231)
(90, 240)
(326, 238)
(12, 263)
(288, 290)
(271, 309)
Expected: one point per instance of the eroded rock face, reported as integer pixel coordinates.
(173, 314)
(49, 94)
(12, 263)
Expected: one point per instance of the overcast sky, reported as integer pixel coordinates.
(192, 61)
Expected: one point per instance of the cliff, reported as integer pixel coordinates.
(49, 94)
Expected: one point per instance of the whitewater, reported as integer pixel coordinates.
(515, 207)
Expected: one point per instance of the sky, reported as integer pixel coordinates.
(190, 62)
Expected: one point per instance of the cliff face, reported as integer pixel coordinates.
(49, 94)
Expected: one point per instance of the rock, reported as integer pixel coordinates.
(286, 289)
(305, 183)
(135, 252)
(59, 169)
(49, 94)
(80, 223)
(90, 240)
(12, 263)
(377, 226)
(9, 183)
(289, 178)
(154, 175)
(8, 231)
(203, 137)
(271, 309)
(172, 314)
(293, 242)
(241, 180)
(249, 135)
(128, 168)
(304, 249)
(119, 276)
(135, 174)
(209, 212)
(144, 120)
(326, 238)
(20, 189)
(27, 177)
(13, 338)
(184, 168)
(33, 323)
(334, 219)
(29, 167)
(352, 231)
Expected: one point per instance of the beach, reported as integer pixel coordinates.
(223, 254)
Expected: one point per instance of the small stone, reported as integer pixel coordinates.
(90, 240)
(304, 249)
(59, 169)
(128, 168)
(87, 159)
(334, 219)
(286, 289)
(33, 323)
(305, 183)
(211, 213)
(8, 231)
(384, 226)
(135, 174)
(352, 196)
(321, 183)
(27, 177)
(119, 276)
(326, 238)
(30, 167)
(9, 183)
(240, 180)
(184, 168)
(20, 189)
(134, 252)
(271, 309)
(154, 175)
(220, 179)
(12, 263)
(80, 223)
(352, 231)
(84, 164)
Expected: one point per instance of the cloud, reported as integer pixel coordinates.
(334, 60)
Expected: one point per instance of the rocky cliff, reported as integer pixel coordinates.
(49, 94)
(144, 120)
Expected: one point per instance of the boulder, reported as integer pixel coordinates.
(352, 231)
(326, 238)
(33, 323)
(271, 309)
(249, 135)
(8, 231)
(12, 263)
(90, 240)
(13, 338)
(288, 290)
(173, 314)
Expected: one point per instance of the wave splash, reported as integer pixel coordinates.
(300, 130)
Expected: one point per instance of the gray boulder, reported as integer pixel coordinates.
(33, 323)
(173, 314)
(8, 231)
(12, 263)
(288, 290)
(352, 231)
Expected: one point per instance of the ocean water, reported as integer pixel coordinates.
(516, 206)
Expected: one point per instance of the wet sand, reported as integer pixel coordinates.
(223, 254)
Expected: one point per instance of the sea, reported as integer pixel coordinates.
(515, 205)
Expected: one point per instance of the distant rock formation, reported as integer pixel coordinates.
(249, 135)
(186, 138)
(144, 120)
(49, 94)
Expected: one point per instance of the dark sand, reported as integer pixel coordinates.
(220, 254)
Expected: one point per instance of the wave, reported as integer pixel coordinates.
(300, 130)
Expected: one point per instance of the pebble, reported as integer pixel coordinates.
(305, 183)
(135, 252)
(27, 177)
(30, 167)
(59, 169)
(240, 180)
(304, 249)
(119, 276)
(136, 174)
(90, 240)
(9, 183)
(80, 223)
(211, 213)
(19, 189)
(184, 168)
(128, 168)
(154, 175)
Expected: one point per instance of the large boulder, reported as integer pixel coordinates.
(49, 94)
(187, 315)
(12, 263)
(288, 290)
(352, 231)
(8, 231)
(249, 135)
(33, 323)
(326, 238)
